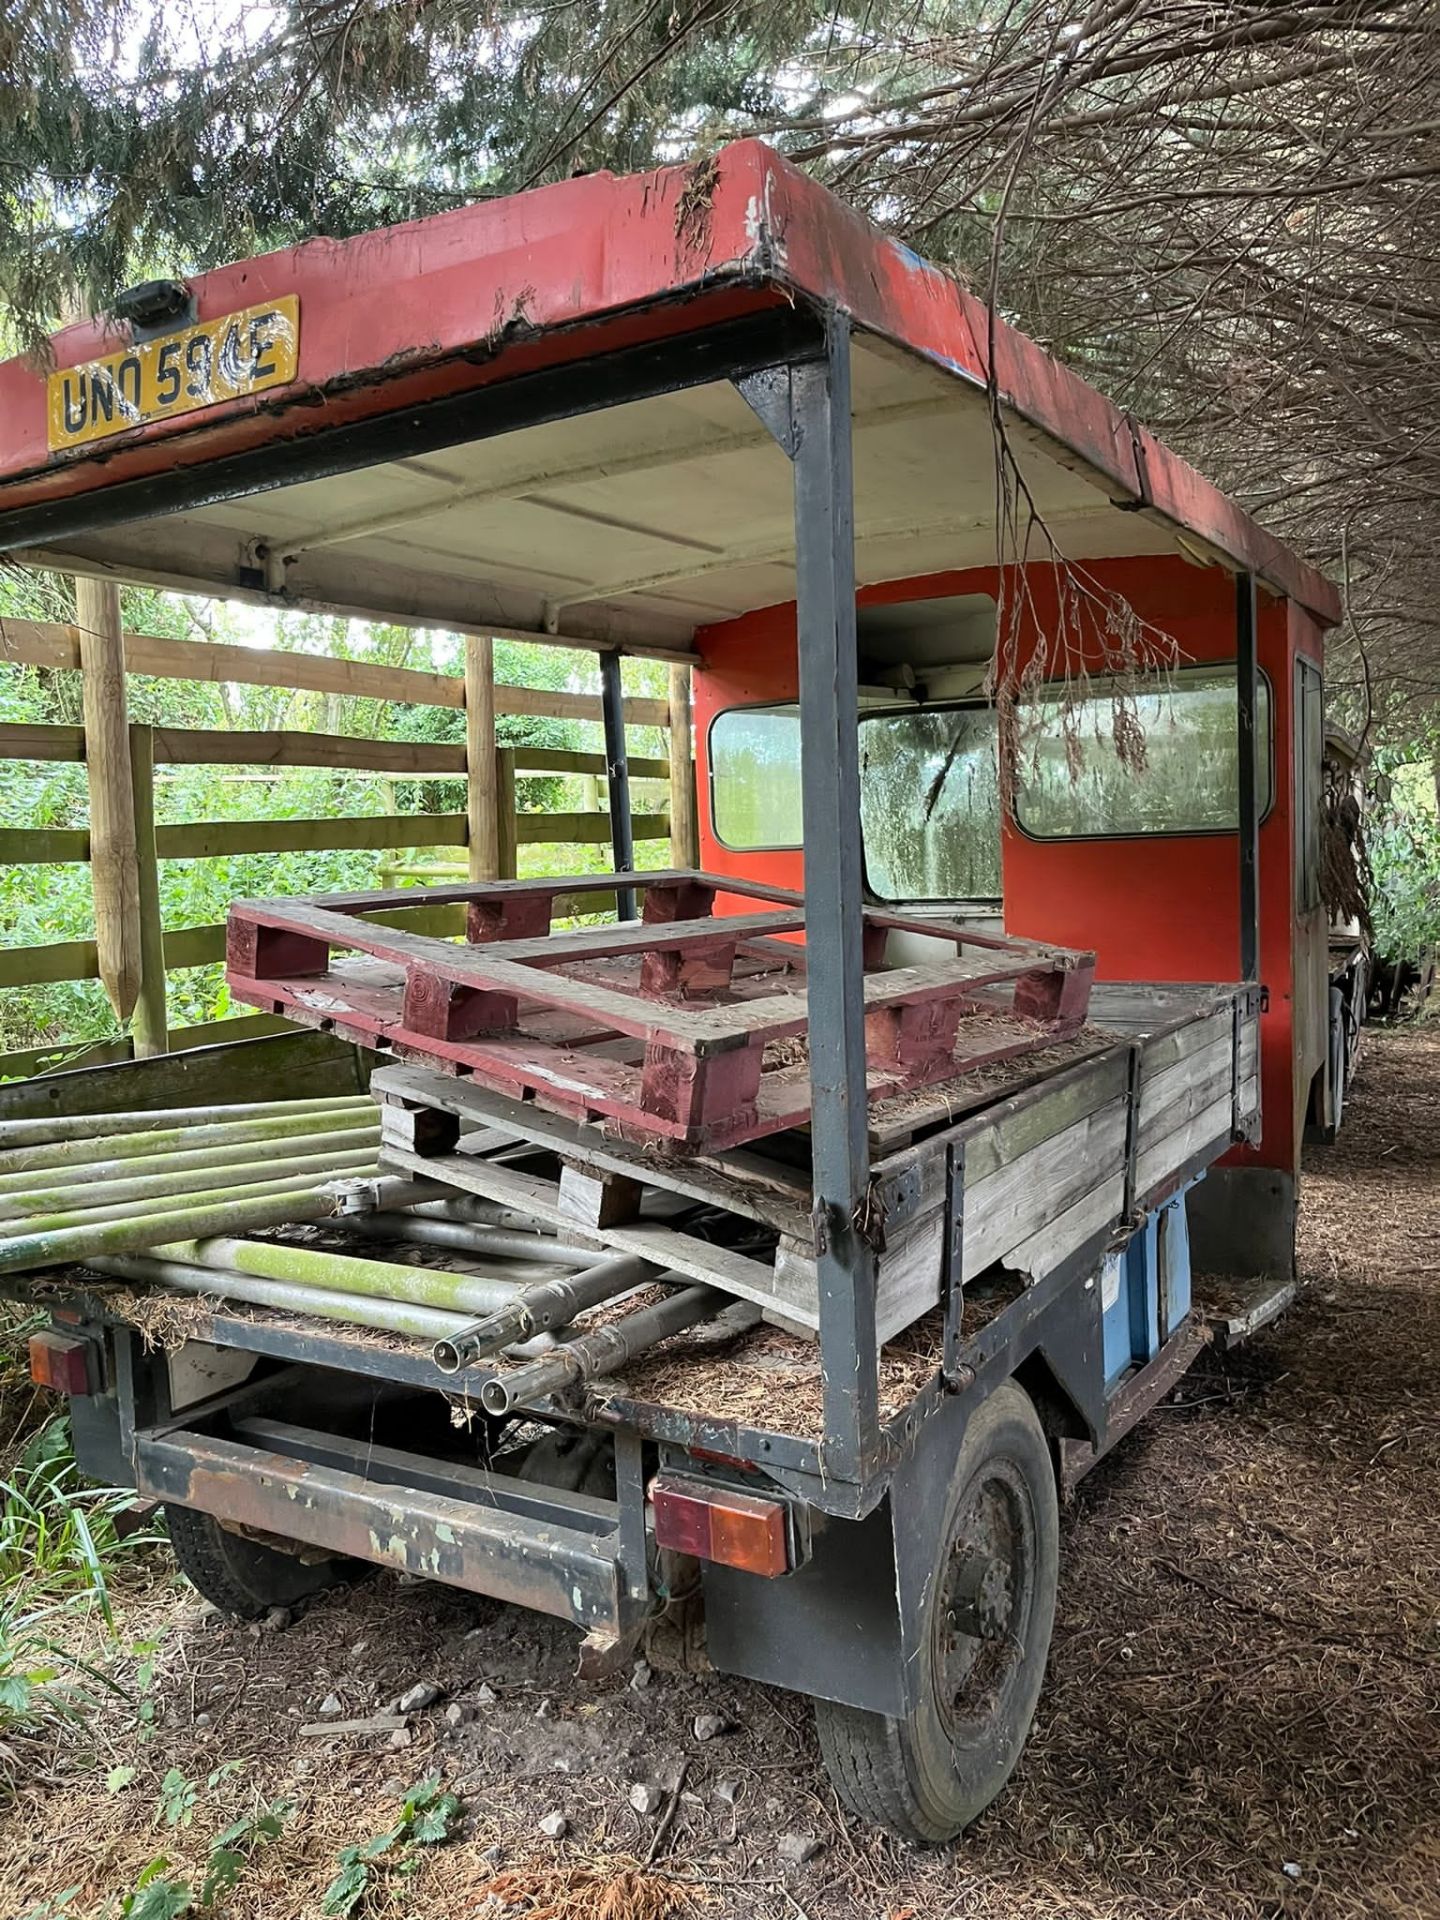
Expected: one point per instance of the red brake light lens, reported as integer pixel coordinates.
(61, 1363)
(717, 1523)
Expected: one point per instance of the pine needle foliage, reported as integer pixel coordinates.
(141, 138)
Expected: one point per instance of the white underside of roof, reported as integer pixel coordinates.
(636, 524)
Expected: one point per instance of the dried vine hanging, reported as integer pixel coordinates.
(1093, 632)
(1346, 881)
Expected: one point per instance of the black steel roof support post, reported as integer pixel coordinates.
(1247, 679)
(617, 779)
(834, 895)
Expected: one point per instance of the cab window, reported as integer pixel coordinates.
(1072, 782)
(755, 778)
(930, 804)
(929, 796)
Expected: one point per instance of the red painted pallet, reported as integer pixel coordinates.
(684, 1026)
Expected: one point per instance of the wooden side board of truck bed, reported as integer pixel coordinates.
(1040, 1173)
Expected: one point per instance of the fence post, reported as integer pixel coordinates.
(482, 798)
(507, 854)
(149, 1024)
(114, 877)
(684, 835)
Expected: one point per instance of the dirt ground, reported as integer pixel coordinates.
(1242, 1716)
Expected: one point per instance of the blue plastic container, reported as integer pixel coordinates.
(1145, 1290)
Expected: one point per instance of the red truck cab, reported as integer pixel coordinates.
(1135, 859)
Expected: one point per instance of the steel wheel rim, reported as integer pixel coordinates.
(986, 1602)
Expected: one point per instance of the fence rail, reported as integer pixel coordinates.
(491, 831)
(40, 643)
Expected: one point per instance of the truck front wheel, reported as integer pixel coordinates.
(983, 1645)
(244, 1577)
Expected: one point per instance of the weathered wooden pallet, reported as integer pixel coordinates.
(680, 1027)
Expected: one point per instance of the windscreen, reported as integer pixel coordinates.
(930, 804)
(930, 791)
(929, 797)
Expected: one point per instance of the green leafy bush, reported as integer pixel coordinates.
(1403, 835)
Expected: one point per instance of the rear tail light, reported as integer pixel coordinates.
(717, 1523)
(62, 1362)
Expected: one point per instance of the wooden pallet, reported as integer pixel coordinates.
(685, 1026)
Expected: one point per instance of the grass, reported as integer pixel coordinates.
(60, 1554)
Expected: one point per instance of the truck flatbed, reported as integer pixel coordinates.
(1046, 1163)
(1036, 1161)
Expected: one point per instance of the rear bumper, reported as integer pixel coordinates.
(570, 1555)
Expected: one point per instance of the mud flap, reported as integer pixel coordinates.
(831, 1629)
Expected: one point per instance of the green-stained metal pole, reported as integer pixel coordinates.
(245, 1213)
(129, 1146)
(464, 1238)
(20, 1192)
(419, 1323)
(60, 1206)
(139, 1216)
(602, 1352)
(346, 1273)
(475, 1212)
(93, 1126)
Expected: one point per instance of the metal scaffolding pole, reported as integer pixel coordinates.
(617, 774)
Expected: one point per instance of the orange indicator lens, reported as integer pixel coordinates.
(716, 1523)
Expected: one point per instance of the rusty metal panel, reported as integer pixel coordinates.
(507, 1555)
(430, 307)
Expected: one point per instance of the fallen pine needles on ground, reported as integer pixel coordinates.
(1241, 1719)
(604, 1889)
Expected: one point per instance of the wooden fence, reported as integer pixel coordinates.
(132, 952)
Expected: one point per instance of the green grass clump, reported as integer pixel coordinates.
(59, 1555)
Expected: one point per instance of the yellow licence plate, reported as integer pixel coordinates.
(198, 366)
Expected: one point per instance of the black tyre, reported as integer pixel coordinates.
(990, 1612)
(243, 1577)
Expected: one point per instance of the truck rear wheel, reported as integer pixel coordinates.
(985, 1641)
(244, 1577)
